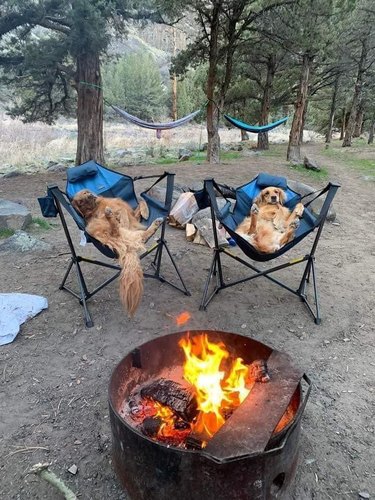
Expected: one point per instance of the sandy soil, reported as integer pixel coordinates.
(54, 376)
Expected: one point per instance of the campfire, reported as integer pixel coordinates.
(189, 414)
(190, 410)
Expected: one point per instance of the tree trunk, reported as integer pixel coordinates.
(89, 110)
(213, 143)
(343, 124)
(371, 131)
(303, 121)
(359, 120)
(244, 135)
(294, 149)
(263, 143)
(332, 112)
(357, 95)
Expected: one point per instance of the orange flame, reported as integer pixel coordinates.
(217, 389)
(183, 318)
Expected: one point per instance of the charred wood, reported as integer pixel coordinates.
(172, 394)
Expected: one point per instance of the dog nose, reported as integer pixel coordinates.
(273, 198)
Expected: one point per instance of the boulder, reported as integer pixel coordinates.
(311, 164)
(23, 242)
(57, 167)
(316, 205)
(13, 215)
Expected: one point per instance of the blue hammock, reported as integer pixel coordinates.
(255, 129)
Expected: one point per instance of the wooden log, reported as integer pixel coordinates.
(190, 231)
(172, 394)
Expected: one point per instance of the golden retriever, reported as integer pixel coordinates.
(115, 224)
(270, 225)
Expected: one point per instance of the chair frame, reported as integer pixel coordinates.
(61, 201)
(309, 271)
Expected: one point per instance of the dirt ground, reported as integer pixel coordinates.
(54, 376)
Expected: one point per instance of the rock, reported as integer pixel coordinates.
(316, 205)
(57, 167)
(13, 215)
(73, 469)
(369, 178)
(364, 494)
(13, 173)
(311, 164)
(184, 154)
(23, 242)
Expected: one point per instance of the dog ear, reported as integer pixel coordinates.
(282, 196)
(259, 200)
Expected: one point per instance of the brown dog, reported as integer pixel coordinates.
(115, 224)
(270, 225)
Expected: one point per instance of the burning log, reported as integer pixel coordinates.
(172, 394)
(258, 372)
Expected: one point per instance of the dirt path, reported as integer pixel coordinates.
(54, 377)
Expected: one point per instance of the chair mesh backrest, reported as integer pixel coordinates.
(102, 181)
(246, 194)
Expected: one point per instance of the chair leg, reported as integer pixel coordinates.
(156, 264)
(84, 293)
(215, 270)
(309, 271)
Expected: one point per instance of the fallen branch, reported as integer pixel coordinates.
(28, 448)
(42, 471)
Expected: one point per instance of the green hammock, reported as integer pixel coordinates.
(255, 129)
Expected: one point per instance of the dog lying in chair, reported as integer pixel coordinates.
(115, 224)
(270, 225)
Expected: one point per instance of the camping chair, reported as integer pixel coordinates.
(106, 182)
(230, 218)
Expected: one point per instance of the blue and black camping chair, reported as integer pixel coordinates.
(105, 182)
(231, 218)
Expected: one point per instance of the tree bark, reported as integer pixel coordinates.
(343, 124)
(359, 120)
(371, 131)
(303, 121)
(357, 95)
(263, 143)
(213, 142)
(332, 111)
(294, 148)
(89, 110)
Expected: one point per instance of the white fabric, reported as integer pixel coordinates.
(15, 309)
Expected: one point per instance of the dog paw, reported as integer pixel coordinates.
(108, 212)
(254, 209)
(295, 224)
(158, 222)
(143, 209)
(299, 209)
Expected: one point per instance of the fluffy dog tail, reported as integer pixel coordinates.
(131, 280)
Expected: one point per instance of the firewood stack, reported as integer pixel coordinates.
(197, 223)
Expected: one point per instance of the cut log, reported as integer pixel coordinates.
(190, 232)
(172, 394)
(258, 372)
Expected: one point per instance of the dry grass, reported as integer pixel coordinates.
(29, 147)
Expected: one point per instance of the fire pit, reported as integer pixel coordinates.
(230, 431)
